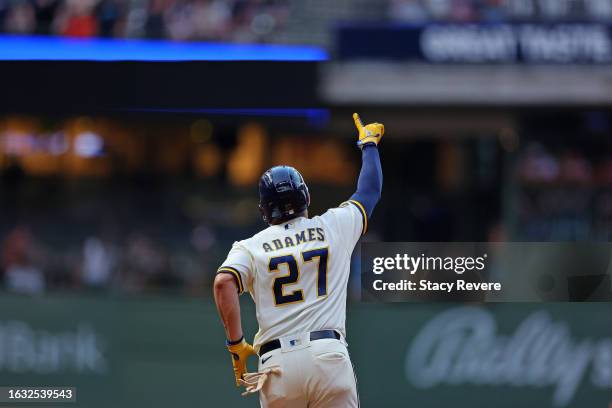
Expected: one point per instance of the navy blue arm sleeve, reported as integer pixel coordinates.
(369, 185)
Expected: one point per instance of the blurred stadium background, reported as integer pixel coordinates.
(124, 182)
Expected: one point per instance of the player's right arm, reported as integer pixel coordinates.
(350, 220)
(369, 184)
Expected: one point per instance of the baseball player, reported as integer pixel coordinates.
(296, 271)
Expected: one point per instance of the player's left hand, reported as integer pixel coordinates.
(240, 353)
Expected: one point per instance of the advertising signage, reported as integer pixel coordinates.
(570, 43)
(164, 351)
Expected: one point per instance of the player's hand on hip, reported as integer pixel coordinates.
(240, 352)
(370, 134)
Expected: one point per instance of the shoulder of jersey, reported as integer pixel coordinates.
(255, 238)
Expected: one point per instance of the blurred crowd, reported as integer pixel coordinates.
(128, 236)
(147, 239)
(541, 165)
(563, 195)
(225, 20)
(265, 20)
(106, 262)
(499, 10)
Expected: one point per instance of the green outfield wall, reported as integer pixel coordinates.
(169, 352)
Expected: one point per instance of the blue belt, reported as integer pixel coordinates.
(315, 335)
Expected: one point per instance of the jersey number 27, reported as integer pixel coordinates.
(280, 298)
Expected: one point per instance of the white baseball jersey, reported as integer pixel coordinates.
(297, 272)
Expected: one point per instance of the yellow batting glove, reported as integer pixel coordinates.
(369, 134)
(240, 351)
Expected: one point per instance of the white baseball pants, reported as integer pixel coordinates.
(314, 374)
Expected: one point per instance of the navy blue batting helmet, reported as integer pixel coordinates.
(283, 194)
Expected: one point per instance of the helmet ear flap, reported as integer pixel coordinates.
(263, 213)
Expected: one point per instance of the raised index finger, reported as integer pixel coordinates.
(357, 120)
